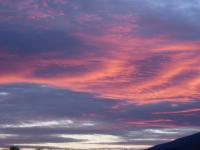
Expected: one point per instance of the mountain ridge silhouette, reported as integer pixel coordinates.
(191, 142)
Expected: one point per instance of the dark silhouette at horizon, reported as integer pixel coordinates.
(191, 142)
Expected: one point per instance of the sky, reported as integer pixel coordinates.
(98, 73)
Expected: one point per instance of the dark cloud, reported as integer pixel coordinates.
(151, 66)
(38, 41)
(26, 104)
(18, 139)
(66, 70)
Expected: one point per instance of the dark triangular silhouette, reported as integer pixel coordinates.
(191, 142)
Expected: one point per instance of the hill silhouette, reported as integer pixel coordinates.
(191, 142)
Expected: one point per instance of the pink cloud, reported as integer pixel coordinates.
(136, 68)
(187, 111)
(152, 123)
(89, 18)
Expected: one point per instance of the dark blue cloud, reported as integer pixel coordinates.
(31, 102)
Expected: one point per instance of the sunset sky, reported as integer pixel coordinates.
(98, 73)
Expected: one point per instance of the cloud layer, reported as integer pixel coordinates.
(131, 63)
(34, 114)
